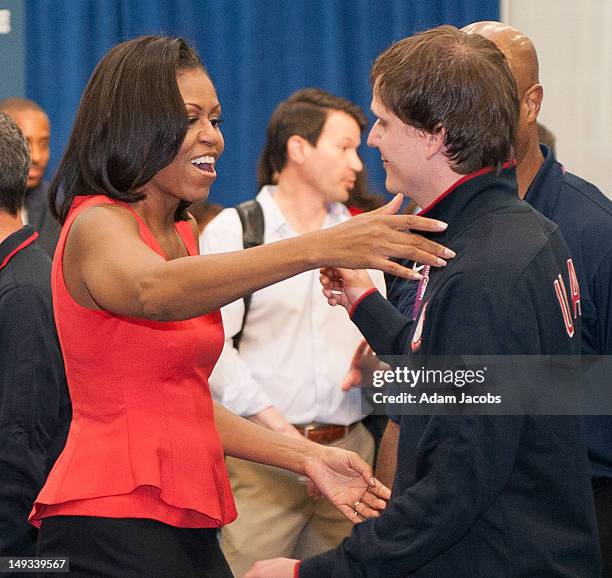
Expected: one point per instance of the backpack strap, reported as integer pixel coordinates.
(252, 221)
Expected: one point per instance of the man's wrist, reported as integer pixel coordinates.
(272, 419)
(359, 299)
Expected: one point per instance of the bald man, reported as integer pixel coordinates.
(584, 216)
(34, 124)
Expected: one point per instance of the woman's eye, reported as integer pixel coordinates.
(191, 120)
(216, 121)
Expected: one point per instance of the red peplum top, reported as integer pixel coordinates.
(143, 441)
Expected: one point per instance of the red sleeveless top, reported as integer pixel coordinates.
(142, 441)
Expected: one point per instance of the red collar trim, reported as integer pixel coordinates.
(16, 250)
(463, 179)
(354, 210)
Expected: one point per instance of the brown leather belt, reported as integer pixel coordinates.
(325, 433)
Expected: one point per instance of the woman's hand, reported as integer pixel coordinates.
(347, 482)
(369, 240)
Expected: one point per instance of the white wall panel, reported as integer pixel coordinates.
(574, 43)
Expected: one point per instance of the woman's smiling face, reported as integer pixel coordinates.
(192, 172)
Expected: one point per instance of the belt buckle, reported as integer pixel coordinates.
(308, 429)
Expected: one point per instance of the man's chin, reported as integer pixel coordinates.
(392, 187)
(339, 197)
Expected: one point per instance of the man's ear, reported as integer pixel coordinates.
(435, 142)
(532, 101)
(297, 149)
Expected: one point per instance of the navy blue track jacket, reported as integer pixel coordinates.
(480, 495)
(584, 216)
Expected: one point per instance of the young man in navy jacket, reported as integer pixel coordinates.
(474, 495)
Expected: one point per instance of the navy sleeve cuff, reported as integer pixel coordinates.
(381, 324)
(317, 566)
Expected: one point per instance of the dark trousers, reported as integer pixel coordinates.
(602, 493)
(131, 547)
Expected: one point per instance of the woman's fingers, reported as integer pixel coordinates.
(404, 222)
(393, 268)
(416, 223)
(417, 248)
(373, 500)
(392, 207)
(402, 243)
(379, 490)
(371, 504)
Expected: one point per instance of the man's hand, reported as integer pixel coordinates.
(347, 482)
(362, 366)
(344, 286)
(274, 568)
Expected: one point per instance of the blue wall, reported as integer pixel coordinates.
(12, 48)
(257, 52)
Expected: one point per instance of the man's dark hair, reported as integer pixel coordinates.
(304, 114)
(130, 124)
(14, 165)
(446, 79)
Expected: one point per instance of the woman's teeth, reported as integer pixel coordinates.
(204, 163)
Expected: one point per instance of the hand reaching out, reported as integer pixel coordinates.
(347, 482)
(274, 568)
(370, 240)
(344, 286)
(363, 365)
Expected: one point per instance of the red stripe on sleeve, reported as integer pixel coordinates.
(16, 250)
(361, 298)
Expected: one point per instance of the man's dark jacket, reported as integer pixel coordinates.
(480, 495)
(34, 402)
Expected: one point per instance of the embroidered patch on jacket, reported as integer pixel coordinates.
(417, 337)
(561, 292)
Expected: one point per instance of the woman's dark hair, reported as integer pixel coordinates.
(130, 124)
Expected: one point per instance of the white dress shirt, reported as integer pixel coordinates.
(295, 349)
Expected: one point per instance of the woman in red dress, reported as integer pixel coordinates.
(141, 486)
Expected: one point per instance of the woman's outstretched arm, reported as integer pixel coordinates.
(107, 266)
